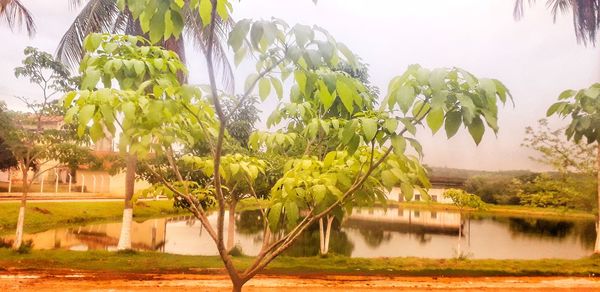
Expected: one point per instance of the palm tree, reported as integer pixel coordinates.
(15, 14)
(104, 16)
(586, 16)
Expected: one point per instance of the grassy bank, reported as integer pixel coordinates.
(504, 210)
(47, 215)
(150, 262)
(42, 216)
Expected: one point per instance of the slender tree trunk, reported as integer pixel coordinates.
(231, 226)
(21, 218)
(597, 246)
(125, 237)
(325, 234)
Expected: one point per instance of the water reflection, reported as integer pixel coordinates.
(366, 233)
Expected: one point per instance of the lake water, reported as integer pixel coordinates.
(366, 233)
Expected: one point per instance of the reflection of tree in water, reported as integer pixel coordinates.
(584, 230)
(540, 227)
(249, 222)
(308, 242)
(374, 237)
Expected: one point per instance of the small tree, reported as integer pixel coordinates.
(583, 109)
(33, 145)
(463, 200)
(351, 148)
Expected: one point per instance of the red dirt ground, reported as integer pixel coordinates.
(96, 281)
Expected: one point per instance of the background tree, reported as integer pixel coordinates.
(14, 13)
(311, 186)
(36, 147)
(112, 16)
(463, 200)
(573, 185)
(586, 16)
(582, 107)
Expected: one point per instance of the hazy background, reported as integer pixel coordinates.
(535, 58)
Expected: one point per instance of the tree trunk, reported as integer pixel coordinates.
(21, 218)
(125, 237)
(237, 287)
(597, 245)
(231, 226)
(325, 234)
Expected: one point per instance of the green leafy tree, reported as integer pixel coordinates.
(38, 148)
(463, 200)
(582, 107)
(352, 149)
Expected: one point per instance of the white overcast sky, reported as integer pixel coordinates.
(535, 58)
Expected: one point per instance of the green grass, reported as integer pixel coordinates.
(151, 262)
(505, 210)
(47, 215)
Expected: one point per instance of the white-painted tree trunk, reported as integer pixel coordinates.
(231, 226)
(125, 237)
(21, 218)
(325, 234)
(20, 225)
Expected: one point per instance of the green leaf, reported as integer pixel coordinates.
(157, 29)
(205, 12)
(303, 34)
(277, 86)
(369, 127)
(128, 109)
(264, 88)
(453, 122)
(349, 131)
(346, 95)
(319, 192)
(557, 107)
(238, 34)
(86, 113)
(399, 144)
(407, 191)
(326, 97)
(406, 97)
(476, 129)
(274, 214)
(388, 179)
(435, 119)
(567, 94)
(488, 86)
(92, 42)
(391, 125)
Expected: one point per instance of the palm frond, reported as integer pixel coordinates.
(586, 16)
(15, 14)
(197, 33)
(96, 16)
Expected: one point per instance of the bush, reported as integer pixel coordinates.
(493, 189)
(25, 247)
(564, 191)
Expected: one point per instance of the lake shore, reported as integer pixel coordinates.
(42, 216)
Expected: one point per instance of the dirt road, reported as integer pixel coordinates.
(86, 281)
